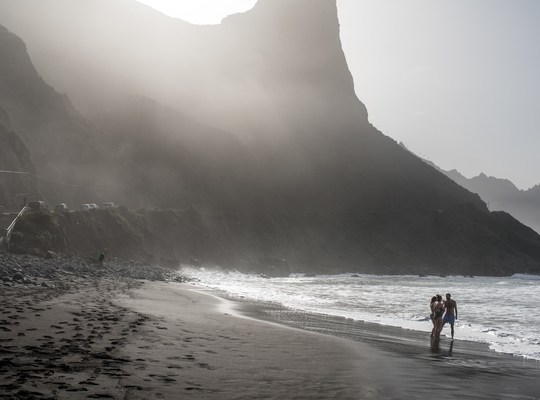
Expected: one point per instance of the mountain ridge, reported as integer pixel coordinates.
(503, 194)
(292, 170)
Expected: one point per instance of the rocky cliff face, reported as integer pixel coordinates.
(446, 242)
(14, 157)
(255, 125)
(61, 143)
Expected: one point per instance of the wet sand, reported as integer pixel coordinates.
(420, 367)
(201, 345)
(125, 339)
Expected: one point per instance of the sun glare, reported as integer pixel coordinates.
(201, 12)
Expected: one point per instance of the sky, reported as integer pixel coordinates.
(457, 81)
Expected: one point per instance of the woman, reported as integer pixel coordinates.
(431, 315)
(438, 311)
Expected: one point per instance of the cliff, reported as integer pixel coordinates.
(61, 143)
(14, 157)
(252, 123)
(440, 243)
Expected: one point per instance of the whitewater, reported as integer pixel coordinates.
(499, 311)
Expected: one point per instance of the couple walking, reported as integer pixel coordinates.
(441, 313)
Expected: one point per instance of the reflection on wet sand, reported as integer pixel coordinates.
(436, 348)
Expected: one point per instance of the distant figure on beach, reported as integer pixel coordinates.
(431, 313)
(438, 312)
(101, 257)
(450, 314)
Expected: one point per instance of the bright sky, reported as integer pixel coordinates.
(455, 80)
(202, 12)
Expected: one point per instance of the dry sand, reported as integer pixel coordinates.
(119, 338)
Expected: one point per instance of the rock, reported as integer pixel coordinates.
(64, 269)
(18, 277)
(50, 254)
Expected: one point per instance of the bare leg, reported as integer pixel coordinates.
(439, 328)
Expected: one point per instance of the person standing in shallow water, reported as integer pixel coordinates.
(431, 315)
(450, 314)
(438, 311)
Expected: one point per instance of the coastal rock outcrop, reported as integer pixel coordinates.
(418, 242)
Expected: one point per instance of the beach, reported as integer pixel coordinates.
(87, 333)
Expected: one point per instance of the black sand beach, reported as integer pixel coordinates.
(84, 333)
(420, 367)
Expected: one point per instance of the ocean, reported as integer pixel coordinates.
(499, 311)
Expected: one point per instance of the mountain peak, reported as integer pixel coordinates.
(491, 180)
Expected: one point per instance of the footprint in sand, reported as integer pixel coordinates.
(190, 388)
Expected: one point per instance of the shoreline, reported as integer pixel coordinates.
(86, 333)
(369, 298)
(373, 362)
(471, 368)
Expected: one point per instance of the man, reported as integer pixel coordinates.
(450, 314)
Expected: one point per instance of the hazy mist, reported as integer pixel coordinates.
(239, 79)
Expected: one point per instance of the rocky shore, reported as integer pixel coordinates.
(59, 270)
(61, 333)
